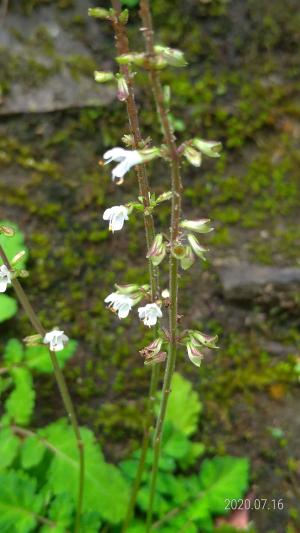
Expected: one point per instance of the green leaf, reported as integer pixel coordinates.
(38, 358)
(175, 444)
(32, 452)
(105, 489)
(185, 401)
(20, 403)
(130, 3)
(60, 511)
(13, 352)
(13, 245)
(90, 523)
(8, 307)
(221, 478)
(9, 446)
(19, 503)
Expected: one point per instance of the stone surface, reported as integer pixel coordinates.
(45, 43)
(243, 281)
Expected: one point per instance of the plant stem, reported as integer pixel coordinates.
(122, 47)
(32, 316)
(173, 265)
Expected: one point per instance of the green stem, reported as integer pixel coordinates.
(24, 301)
(173, 265)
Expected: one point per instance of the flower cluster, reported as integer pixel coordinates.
(195, 341)
(125, 297)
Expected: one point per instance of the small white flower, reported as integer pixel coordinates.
(149, 314)
(56, 339)
(120, 303)
(116, 216)
(126, 159)
(5, 278)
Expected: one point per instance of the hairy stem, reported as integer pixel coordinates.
(63, 389)
(173, 266)
(122, 47)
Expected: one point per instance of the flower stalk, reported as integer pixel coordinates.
(122, 47)
(63, 389)
(169, 139)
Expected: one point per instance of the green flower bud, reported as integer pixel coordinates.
(123, 92)
(172, 56)
(199, 226)
(193, 156)
(194, 354)
(7, 231)
(188, 260)
(209, 148)
(98, 12)
(124, 16)
(198, 338)
(164, 197)
(103, 77)
(196, 247)
(128, 288)
(148, 154)
(157, 251)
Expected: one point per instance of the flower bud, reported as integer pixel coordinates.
(103, 77)
(152, 349)
(194, 354)
(201, 338)
(33, 340)
(209, 148)
(157, 251)
(135, 58)
(164, 197)
(199, 226)
(18, 257)
(196, 247)
(123, 92)
(188, 260)
(128, 288)
(159, 358)
(148, 154)
(124, 16)
(99, 13)
(193, 156)
(172, 56)
(7, 231)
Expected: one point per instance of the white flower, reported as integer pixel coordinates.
(149, 314)
(126, 159)
(5, 278)
(120, 303)
(56, 339)
(116, 216)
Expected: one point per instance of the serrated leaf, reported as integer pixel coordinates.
(19, 503)
(176, 444)
(105, 489)
(8, 307)
(32, 452)
(90, 523)
(9, 446)
(221, 478)
(13, 352)
(13, 245)
(60, 511)
(38, 358)
(185, 401)
(20, 403)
